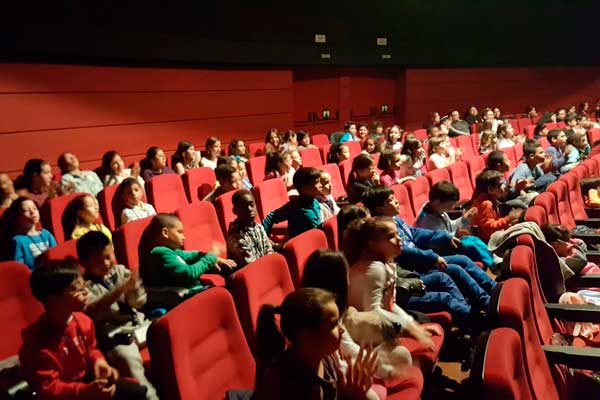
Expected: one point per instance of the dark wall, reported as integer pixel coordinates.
(420, 33)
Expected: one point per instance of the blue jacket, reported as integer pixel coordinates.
(415, 240)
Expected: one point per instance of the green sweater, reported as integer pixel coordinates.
(168, 267)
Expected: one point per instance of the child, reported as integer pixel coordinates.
(337, 153)
(556, 150)
(572, 252)
(488, 142)
(296, 159)
(247, 240)
(185, 157)
(7, 191)
(349, 132)
(540, 130)
(376, 131)
(306, 369)
(414, 149)
(303, 212)
(362, 176)
(590, 190)
(441, 153)
(164, 263)
(272, 141)
(531, 170)
(59, 358)
(505, 137)
(237, 149)
(83, 181)
(130, 192)
(154, 164)
(212, 152)
(246, 184)
(81, 216)
(418, 253)
(363, 132)
(114, 296)
(329, 207)
(304, 141)
(228, 178)
(290, 141)
(114, 171)
(397, 168)
(370, 146)
(490, 188)
(279, 165)
(345, 217)
(37, 184)
(392, 138)
(28, 240)
(576, 144)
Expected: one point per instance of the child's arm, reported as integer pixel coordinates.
(185, 266)
(101, 303)
(489, 221)
(276, 216)
(20, 252)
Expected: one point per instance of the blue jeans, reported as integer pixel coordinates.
(441, 294)
(479, 275)
(467, 285)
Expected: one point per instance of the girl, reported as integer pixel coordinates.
(237, 149)
(396, 168)
(576, 148)
(584, 108)
(413, 147)
(154, 164)
(304, 141)
(290, 141)
(241, 167)
(441, 153)
(571, 251)
(7, 191)
(505, 136)
(392, 138)
(309, 321)
(28, 239)
(211, 153)
(81, 216)
(272, 141)
(113, 171)
(370, 146)
(362, 176)
(130, 193)
(185, 157)
(488, 142)
(346, 216)
(376, 131)
(280, 166)
(363, 132)
(328, 205)
(36, 182)
(296, 159)
(338, 153)
(371, 245)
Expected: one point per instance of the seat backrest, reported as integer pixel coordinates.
(522, 124)
(201, 360)
(198, 182)
(593, 135)
(298, 249)
(518, 148)
(437, 175)
(418, 192)
(475, 142)
(106, 200)
(473, 128)
(459, 175)
(256, 149)
(264, 281)
(563, 207)
(311, 157)
(547, 202)
(544, 142)
(510, 153)
(127, 240)
(345, 169)
(52, 211)
(406, 211)
(337, 186)
(510, 300)
(200, 226)
(331, 232)
(256, 169)
(354, 148)
(464, 142)
(224, 209)
(324, 150)
(529, 131)
(476, 166)
(590, 166)
(552, 125)
(536, 214)
(421, 134)
(319, 140)
(576, 201)
(270, 195)
(166, 193)
(19, 307)
(498, 370)
(68, 248)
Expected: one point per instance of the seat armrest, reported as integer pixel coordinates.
(590, 222)
(573, 357)
(584, 281)
(587, 238)
(593, 256)
(212, 280)
(574, 312)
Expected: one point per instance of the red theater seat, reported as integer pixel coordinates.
(563, 207)
(418, 192)
(106, 202)
(256, 169)
(200, 226)
(593, 135)
(459, 175)
(406, 211)
(529, 131)
(52, 212)
(256, 149)
(337, 186)
(421, 134)
(324, 150)
(127, 240)
(475, 142)
(331, 232)
(536, 214)
(437, 175)
(465, 143)
(264, 281)
(224, 209)
(68, 248)
(198, 182)
(166, 193)
(476, 166)
(201, 360)
(518, 148)
(298, 249)
(548, 203)
(311, 157)
(270, 195)
(354, 148)
(319, 140)
(345, 169)
(523, 123)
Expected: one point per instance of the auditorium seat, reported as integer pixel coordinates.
(464, 142)
(224, 209)
(518, 148)
(256, 149)
(418, 192)
(592, 168)
(593, 135)
(337, 186)
(166, 193)
(324, 150)
(536, 214)
(476, 166)
(523, 123)
(548, 203)
(108, 209)
(298, 249)
(201, 360)
(552, 125)
(475, 142)
(576, 201)
(264, 281)
(270, 195)
(563, 207)
(198, 182)
(201, 227)
(437, 175)
(311, 157)
(127, 240)
(256, 169)
(530, 131)
(421, 134)
(51, 214)
(459, 175)
(331, 232)
(406, 212)
(319, 140)
(544, 142)
(345, 169)
(68, 248)
(510, 153)
(354, 148)
(474, 128)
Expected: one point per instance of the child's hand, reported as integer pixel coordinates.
(441, 264)
(131, 283)
(101, 389)
(217, 249)
(136, 169)
(358, 378)
(455, 243)
(515, 214)
(104, 371)
(523, 184)
(470, 214)
(568, 149)
(375, 178)
(225, 264)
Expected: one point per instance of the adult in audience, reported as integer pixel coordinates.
(7, 191)
(72, 175)
(434, 120)
(272, 141)
(472, 116)
(155, 164)
(113, 171)
(531, 112)
(36, 182)
(561, 114)
(211, 153)
(185, 157)
(458, 126)
(349, 132)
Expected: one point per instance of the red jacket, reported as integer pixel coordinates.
(488, 218)
(55, 362)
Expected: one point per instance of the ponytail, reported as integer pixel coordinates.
(270, 342)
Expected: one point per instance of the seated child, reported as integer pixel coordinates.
(530, 174)
(397, 168)
(362, 177)
(114, 296)
(349, 132)
(163, 263)
(72, 176)
(185, 157)
(279, 165)
(212, 152)
(558, 142)
(296, 159)
(154, 164)
(29, 240)
(413, 148)
(290, 141)
(81, 216)
(246, 184)
(576, 145)
(272, 141)
(7, 191)
(490, 189)
(304, 141)
(130, 193)
(337, 153)
(392, 138)
(346, 215)
(59, 358)
(441, 153)
(302, 212)
(237, 150)
(228, 178)
(571, 251)
(370, 146)
(247, 240)
(329, 207)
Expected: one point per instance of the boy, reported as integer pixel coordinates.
(59, 357)
(556, 150)
(532, 169)
(247, 240)
(229, 179)
(83, 181)
(303, 212)
(490, 189)
(349, 132)
(329, 207)
(114, 296)
(417, 253)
